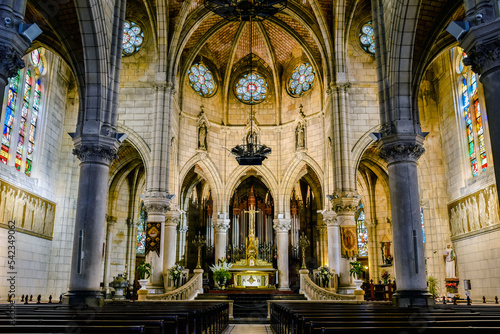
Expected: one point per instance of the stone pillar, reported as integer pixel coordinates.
(95, 154)
(401, 153)
(221, 225)
(132, 225)
(183, 228)
(373, 249)
(12, 45)
(156, 206)
(110, 221)
(170, 243)
(333, 239)
(483, 54)
(345, 205)
(323, 246)
(282, 226)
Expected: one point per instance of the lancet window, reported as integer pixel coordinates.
(362, 231)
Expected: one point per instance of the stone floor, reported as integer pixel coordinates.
(248, 329)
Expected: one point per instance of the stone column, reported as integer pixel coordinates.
(110, 221)
(401, 153)
(221, 225)
(323, 246)
(95, 154)
(333, 239)
(282, 227)
(170, 243)
(483, 54)
(156, 206)
(183, 228)
(131, 248)
(373, 249)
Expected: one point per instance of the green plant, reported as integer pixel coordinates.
(356, 270)
(221, 271)
(432, 285)
(144, 269)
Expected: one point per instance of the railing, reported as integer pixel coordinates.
(314, 292)
(188, 291)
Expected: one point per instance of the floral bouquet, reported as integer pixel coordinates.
(385, 276)
(451, 285)
(221, 271)
(325, 274)
(175, 273)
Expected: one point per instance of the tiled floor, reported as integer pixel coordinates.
(248, 329)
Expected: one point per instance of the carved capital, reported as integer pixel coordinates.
(172, 218)
(10, 61)
(96, 153)
(482, 45)
(330, 218)
(344, 202)
(221, 224)
(183, 229)
(409, 152)
(282, 225)
(110, 220)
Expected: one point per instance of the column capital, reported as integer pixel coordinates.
(330, 218)
(11, 61)
(97, 149)
(221, 224)
(345, 202)
(482, 46)
(282, 225)
(157, 203)
(172, 218)
(111, 220)
(401, 148)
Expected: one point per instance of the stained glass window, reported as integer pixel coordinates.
(367, 38)
(21, 127)
(422, 222)
(10, 113)
(141, 231)
(302, 80)
(362, 231)
(202, 80)
(251, 88)
(472, 114)
(133, 37)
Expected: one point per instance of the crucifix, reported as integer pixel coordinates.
(252, 241)
(251, 213)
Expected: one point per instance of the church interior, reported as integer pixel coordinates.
(309, 146)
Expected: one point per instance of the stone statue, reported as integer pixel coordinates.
(202, 137)
(483, 216)
(19, 208)
(9, 205)
(470, 215)
(475, 214)
(462, 218)
(454, 221)
(49, 221)
(449, 257)
(493, 206)
(28, 217)
(300, 136)
(3, 199)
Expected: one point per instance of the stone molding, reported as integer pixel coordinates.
(402, 152)
(221, 224)
(10, 61)
(96, 153)
(282, 225)
(330, 218)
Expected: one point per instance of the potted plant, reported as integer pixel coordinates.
(431, 283)
(356, 272)
(221, 273)
(144, 272)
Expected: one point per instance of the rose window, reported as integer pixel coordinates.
(202, 80)
(367, 38)
(302, 80)
(133, 37)
(251, 88)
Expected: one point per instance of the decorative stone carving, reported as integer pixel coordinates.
(330, 218)
(345, 203)
(221, 225)
(202, 137)
(401, 152)
(96, 153)
(282, 225)
(111, 220)
(10, 61)
(483, 56)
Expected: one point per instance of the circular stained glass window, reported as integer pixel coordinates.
(202, 80)
(367, 38)
(302, 80)
(251, 88)
(133, 37)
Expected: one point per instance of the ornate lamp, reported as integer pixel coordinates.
(303, 243)
(199, 241)
(250, 152)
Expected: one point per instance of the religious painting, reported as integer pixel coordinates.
(32, 214)
(349, 241)
(153, 237)
(474, 212)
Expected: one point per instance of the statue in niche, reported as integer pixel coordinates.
(454, 221)
(463, 218)
(299, 136)
(483, 216)
(475, 214)
(493, 206)
(9, 205)
(470, 215)
(449, 257)
(49, 220)
(19, 207)
(202, 137)
(28, 217)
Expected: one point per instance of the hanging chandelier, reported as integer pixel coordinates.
(250, 152)
(245, 10)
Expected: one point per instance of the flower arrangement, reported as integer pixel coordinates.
(325, 274)
(451, 285)
(175, 272)
(385, 276)
(221, 271)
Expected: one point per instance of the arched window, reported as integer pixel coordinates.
(471, 112)
(362, 231)
(367, 38)
(202, 80)
(302, 80)
(141, 232)
(20, 128)
(251, 88)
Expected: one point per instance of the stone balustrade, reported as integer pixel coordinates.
(314, 292)
(188, 291)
